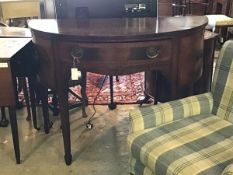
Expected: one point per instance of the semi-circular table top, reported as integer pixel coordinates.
(117, 29)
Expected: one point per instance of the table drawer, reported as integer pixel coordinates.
(116, 58)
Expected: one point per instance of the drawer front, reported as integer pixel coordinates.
(6, 86)
(116, 58)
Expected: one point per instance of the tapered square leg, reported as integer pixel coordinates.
(14, 130)
(32, 82)
(44, 99)
(65, 123)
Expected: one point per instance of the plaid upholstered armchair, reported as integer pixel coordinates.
(189, 136)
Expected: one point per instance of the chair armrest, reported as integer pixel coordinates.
(156, 115)
(228, 170)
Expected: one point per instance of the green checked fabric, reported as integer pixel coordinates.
(191, 136)
(222, 88)
(156, 115)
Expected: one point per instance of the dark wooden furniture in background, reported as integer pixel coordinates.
(118, 46)
(165, 7)
(200, 7)
(111, 8)
(142, 8)
(15, 32)
(182, 7)
(105, 8)
(222, 7)
(24, 66)
(230, 29)
(8, 48)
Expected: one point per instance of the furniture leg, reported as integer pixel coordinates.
(83, 93)
(44, 99)
(14, 130)
(150, 85)
(155, 89)
(10, 22)
(112, 105)
(4, 122)
(117, 78)
(18, 105)
(55, 105)
(26, 97)
(144, 100)
(65, 123)
(31, 82)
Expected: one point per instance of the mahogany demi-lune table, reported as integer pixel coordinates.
(172, 46)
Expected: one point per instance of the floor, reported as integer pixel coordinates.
(100, 151)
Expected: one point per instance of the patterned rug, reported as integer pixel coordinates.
(128, 90)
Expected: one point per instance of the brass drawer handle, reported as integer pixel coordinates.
(77, 53)
(152, 52)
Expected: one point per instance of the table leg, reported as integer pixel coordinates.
(14, 130)
(3, 122)
(26, 97)
(32, 84)
(65, 123)
(44, 99)
(145, 99)
(112, 105)
(83, 93)
(150, 85)
(55, 105)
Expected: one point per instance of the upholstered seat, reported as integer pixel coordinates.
(219, 21)
(189, 136)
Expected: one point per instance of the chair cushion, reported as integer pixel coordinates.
(196, 145)
(219, 20)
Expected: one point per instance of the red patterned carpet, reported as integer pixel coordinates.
(127, 90)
